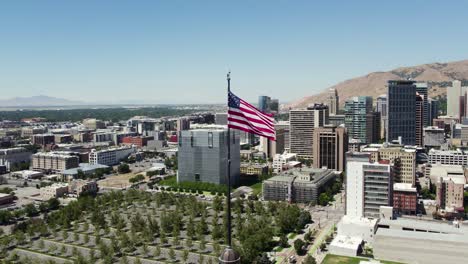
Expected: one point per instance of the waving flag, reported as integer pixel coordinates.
(244, 116)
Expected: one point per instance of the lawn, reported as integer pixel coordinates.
(335, 259)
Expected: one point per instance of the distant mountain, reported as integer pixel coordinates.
(437, 75)
(40, 100)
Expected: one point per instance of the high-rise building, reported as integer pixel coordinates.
(202, 156)
(376, 124)
(183, 124)
(333, 101)
(419, 116)
(302, 124)
(264, 103)
(336, 120)
(359, 117)
(453, 99)
(381, 108)
(433, 110)
(421, 89)
(330, 146)
(368, 186)
(274, 105)
(401, 101)
(284, 125)
(270, 147)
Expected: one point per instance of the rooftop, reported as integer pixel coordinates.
(405, 187)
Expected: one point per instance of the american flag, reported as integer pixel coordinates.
(244, 116)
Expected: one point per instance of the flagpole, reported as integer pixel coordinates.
(229, 241)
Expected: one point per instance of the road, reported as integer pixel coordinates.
(325, 218)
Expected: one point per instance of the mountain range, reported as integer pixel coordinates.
(39, 100)
(438, 76)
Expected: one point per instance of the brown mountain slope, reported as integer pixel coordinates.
(438, 76)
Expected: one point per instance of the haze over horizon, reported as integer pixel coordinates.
(180, 52)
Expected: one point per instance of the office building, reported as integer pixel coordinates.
(419, 118)
(110, 156)
(183, 124)
(333, 101)
(92, 123)
(55, 190)
(103, 136)
(422, 90)
(434, 137)
(274, 105)
(13, 156)
(359, 117)
(302, 124)
(433, 110)
(302, 185)
(405, 157)
(404, 199)
(52, 162)
(221, 119)
(43, 139)
(330, 146)
(282, 161)
(456, 100)
(381, 108)
(257, 169)
(138, 141)
(270, 147)
(336, 120)
(376, 130)
(264, 103)
(202, 156)
(28, 132)
(401, 101)
(284, 125)
(368, 185)
(448, 157)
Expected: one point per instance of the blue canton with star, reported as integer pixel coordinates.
(233, 101)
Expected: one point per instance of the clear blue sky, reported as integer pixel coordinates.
(179, 51)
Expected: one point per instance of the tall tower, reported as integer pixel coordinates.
(453, 99)
(381, 108)
(330, 146)
(419, 119)
(333, 101)
(264, 103)
(302, 123)
(421, 89)
(401, 121)
(358, 118)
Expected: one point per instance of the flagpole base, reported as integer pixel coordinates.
(229, 256)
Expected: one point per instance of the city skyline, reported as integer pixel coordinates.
(155, 51)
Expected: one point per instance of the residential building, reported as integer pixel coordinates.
(13, 156)
(110, 156)
(55, 190)
(434, 137)
(401, 123)
(404, 199)
(333, 101)
(448, 157)
(280, 161)
(302, 185)
(358, 118)
(330, 145)
(53, 162)
(450, 191)
(203, 155)
(257, 169)
(302, 123)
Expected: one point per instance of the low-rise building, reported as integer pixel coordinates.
(6, 198)
(139, 141)
(86, 168)
(80, 186)
(28, 132)
(14, 156)
(434, 137)
(27, 174)
(448, 157)
(280, 161)
(450, 191)
(110, 156)
(54, 162)
(43, 139)
(55, 190)
(404, 198)
(302, 185)
(258, 169)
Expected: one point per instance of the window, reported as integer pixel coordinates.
(210, 139)
(191, 139)
(197, 177)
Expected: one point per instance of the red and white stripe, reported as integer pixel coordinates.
(249, 119)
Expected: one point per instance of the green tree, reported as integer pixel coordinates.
(324, 199)
(298, 245)
(123, 168)
(309, 260)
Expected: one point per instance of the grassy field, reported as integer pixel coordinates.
(335, 259)
(118, 181)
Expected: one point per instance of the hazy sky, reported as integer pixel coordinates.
(180, 51)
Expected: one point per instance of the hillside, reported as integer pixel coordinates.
(438, 76)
